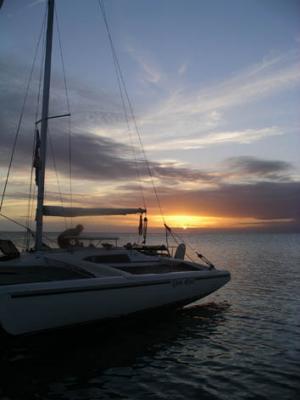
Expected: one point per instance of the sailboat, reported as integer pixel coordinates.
(51, 288)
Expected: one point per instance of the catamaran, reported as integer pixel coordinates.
(49, 288)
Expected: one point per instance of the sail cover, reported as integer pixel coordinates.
(57, 211)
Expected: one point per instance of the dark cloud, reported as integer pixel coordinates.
(101, 158)
(175, 174)
(97, 158)
(263, 200)
(93, 157)
(270, 169)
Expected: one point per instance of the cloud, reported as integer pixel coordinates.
(262, 200)
(94, 155)
(100, 158)
(262, 79)
(198, 116)
(151, 72)
(182, 69)
(269, 193)
(36, 2)
(258, 168)
(217, 138)
(106, 114)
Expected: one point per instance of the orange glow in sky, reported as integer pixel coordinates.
(188, 221)
(199, 221)
(155, 221)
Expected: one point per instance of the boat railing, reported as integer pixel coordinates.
(91, 239)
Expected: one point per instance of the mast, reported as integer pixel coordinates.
(44, 128)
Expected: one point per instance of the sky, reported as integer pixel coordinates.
(215, 90)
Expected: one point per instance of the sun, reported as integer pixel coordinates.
(188, 221)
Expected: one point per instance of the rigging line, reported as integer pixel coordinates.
(31, 196)
(56, 173)
(181, 240)
(131, 108)
(63, 63)
(41, 72)
(122, 91)
(69, 110)
(32, 204)
(30, 199)
(190, 247)
(30, 219)
(17, 223)
(21, 114)
(137, 168)
(138, 173)
(26, 227)
(117, 70)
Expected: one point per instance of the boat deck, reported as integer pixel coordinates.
(157, 268)
(12, 275)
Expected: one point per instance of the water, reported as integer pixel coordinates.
(242, 342)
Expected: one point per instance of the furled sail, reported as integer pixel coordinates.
(57, 211)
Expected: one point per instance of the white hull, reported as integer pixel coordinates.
(33, 307)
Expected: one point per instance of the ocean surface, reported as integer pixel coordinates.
(243, 342)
